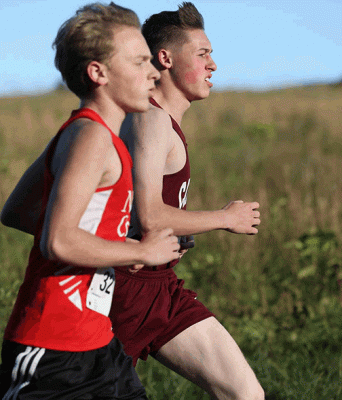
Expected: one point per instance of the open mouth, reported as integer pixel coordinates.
(208, 81)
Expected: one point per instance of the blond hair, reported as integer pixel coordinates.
(88, 36)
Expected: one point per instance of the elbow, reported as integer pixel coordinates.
(150, 216)
(149, 223)
(53, 248)
(47, 248)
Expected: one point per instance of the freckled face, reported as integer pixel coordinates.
(192, 66)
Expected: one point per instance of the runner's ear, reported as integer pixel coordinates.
(97, 72)
(165, 58)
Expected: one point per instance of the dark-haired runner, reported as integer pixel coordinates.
(168, 321)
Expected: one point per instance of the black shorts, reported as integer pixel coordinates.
(32, 373)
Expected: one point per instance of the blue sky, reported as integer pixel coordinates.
(258, 44)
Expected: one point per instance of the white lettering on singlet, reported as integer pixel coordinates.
(183, 194)
(124, 223)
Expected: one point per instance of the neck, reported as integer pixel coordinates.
(109, 111)
(172, 100)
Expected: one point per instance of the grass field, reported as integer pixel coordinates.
(278, 293)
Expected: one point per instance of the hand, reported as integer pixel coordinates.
(160, 247)
(133, 269)
(242, 217)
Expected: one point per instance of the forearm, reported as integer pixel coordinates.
(183, 222)
(79, 247)
(130, 240)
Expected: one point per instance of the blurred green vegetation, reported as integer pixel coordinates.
(278, 293)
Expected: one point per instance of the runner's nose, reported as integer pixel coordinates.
(211, 64)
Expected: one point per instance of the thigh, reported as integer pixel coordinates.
(136, 312)
(206, 354)
(184, 311)
(142, 309)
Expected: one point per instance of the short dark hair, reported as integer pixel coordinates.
(169, 27)
(86, 37)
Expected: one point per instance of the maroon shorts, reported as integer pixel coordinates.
(150, 308)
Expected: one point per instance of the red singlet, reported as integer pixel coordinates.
(54, 307)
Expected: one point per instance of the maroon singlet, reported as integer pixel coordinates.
(175, 186)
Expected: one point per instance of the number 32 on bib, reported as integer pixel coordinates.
(100, 292)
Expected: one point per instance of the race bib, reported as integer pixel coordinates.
(100, 292)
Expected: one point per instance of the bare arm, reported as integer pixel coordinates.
(152, 132)
(22, 208)
(84, 160)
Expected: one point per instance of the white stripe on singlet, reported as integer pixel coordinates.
(92, 216)
(20, 368)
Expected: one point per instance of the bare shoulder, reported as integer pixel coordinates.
(90, 130)
(85, 131)
(153, 124)
(83, 136)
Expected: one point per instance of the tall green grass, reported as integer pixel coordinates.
(279, 292)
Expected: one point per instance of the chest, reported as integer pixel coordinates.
(176, 157)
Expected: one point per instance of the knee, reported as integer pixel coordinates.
(255, 393)
(258, 394)
(250, 391)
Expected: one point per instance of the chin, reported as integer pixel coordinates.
(142, 106)
(201, 96)
(145, 106)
